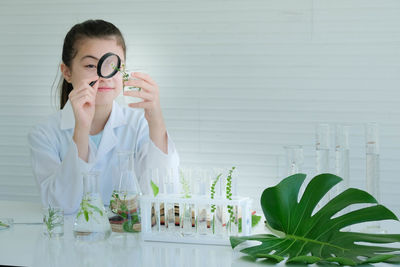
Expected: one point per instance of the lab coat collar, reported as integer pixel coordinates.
(117, 117)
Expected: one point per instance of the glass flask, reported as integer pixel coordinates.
(91, 222)
(124, 202)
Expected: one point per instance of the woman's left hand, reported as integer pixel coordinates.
(149, 93)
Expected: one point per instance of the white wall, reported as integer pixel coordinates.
(238, 79)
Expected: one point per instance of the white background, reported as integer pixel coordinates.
(238, 79)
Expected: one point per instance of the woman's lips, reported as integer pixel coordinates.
(104, 89)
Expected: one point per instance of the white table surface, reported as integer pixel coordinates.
(25, 245)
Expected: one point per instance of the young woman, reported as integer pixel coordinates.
(91, 127)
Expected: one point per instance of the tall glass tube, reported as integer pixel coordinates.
(372, 168)
(294, 162)
(322, 148)
(342, 154)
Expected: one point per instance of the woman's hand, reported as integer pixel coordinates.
(149, 93)
(151, 104)
(83, 100)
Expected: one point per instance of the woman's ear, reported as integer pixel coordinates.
(65, 72)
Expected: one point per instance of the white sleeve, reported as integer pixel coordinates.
(60, 181)
(149, 157)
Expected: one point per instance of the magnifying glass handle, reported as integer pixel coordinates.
(92, 83)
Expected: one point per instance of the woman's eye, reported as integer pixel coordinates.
(90, 66)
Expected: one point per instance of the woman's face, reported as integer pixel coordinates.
(84, 65)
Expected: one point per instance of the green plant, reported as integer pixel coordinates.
(51, 220)
(213, 185)
(4, 225)
(306, 238)
(154, 187)
(88, 209)
(125, 75)
(213, 207)
(122, 209)
(229, 195)
(185, 185)
(128, 225)
(255, 219)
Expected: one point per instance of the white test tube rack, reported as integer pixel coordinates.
(151, 233)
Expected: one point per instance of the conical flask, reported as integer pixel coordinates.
(124, 202)
(91, 222)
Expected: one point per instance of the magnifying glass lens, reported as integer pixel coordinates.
(108, 65)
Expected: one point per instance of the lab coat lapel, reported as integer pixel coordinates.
(109, 139)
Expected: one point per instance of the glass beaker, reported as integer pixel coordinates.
(124, 201)
(128, 76)
(91, 222)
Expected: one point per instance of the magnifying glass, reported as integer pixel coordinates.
(108, 65)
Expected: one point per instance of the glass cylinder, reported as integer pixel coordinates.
(342, 154)
(322, 146)
(372, 169)
(171, 209)
(372, 155)
(294, 159)
(187, 219)
(217, 211)
(124, 201)
(91, 222)
(154, 183)
(187, 178)
(202, 188)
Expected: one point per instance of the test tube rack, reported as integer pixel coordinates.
(212, 221)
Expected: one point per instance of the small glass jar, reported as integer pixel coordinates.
(53, 221)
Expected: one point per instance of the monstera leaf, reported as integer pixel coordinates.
(309, 238)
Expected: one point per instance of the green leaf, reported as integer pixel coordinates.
(86, 213)
(379, 258)
(154, 187)
(4, 225)
(97, 209)
(255, 219)
(304, 259)
(128, 225)
(311, 238)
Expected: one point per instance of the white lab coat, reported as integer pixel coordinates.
(58, 169)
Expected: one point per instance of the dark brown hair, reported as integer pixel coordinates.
(87, 29)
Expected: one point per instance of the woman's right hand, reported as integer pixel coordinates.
(83, 100)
